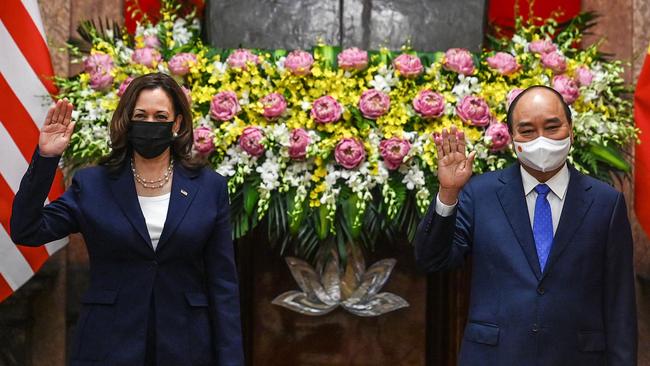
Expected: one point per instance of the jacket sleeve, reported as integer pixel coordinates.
(33, 224)
(442, 242)
(620, 302)
(223, 287)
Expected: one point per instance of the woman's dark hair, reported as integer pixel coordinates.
(513, 105)
(181, 149)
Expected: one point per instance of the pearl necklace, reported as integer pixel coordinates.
(156, 183)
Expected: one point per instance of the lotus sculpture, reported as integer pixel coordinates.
(355, 289)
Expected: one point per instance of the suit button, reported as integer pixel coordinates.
(535, 328)
(541, 290)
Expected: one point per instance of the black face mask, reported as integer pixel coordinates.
(150, 139)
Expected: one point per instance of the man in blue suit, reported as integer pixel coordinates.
(552, 271)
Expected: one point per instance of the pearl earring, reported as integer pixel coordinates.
(175, 135)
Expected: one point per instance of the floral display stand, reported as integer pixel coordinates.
(331, 163)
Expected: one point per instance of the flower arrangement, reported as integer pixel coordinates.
(333, 146)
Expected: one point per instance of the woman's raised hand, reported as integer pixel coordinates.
(57, 129)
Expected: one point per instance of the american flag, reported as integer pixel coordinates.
(25, 88)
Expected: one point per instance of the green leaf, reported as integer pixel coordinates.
(380, 57)
(277, 219)
(327, 55)
(350, 212)
(322, 227)
(342, 250)
(610, 156)
(296, 214)
(251, 196)
(278, 54)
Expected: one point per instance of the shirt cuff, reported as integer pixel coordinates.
(444, 210)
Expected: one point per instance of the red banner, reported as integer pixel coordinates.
(642, 152)
(501, 13)
(134, 10)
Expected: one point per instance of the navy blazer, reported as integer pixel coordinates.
(191, 278)
(579, 311)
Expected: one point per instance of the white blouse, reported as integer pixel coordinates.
(154, 210)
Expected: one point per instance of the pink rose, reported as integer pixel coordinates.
(274, 105)
(224, 106)
(512, 94)
(326, 110)
(299, 141)
(393, 151)
(554, 61)
(98, 62)
(429, 104)
(474, 110)
(125, 84)
(408, 66)
(353, 59)
(299, 62)
(504, 63)
(188, 94)
(180, 63)
(149, 57)
(567, 87)
(459, 60)
(499, 136)
(239, 58)
(151, 41)
(203, 140)
(251, 141)
(100, 80)
(373, 103)
(349, 153)
(542, 46)
(584, 76)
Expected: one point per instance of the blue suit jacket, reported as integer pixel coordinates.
(579, 311)
(191, 278)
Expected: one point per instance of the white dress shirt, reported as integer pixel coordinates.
(558, 185)
(154, 210)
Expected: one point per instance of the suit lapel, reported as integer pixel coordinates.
(123, 190)
(183, 191)
(576, 204)
(513, 201)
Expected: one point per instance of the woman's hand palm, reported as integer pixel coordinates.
(57, 130)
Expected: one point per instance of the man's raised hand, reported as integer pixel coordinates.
(454, 165)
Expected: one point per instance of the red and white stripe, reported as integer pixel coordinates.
(25, 88)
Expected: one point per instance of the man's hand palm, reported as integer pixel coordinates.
(453, 172)
(454, 165)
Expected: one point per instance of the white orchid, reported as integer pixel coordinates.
(181, 34)
(467, 85)
(279, 64)
(384, 80)
(413, 176)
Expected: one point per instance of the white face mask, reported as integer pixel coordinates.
(543, 154)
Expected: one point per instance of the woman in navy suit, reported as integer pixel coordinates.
(156, 222)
